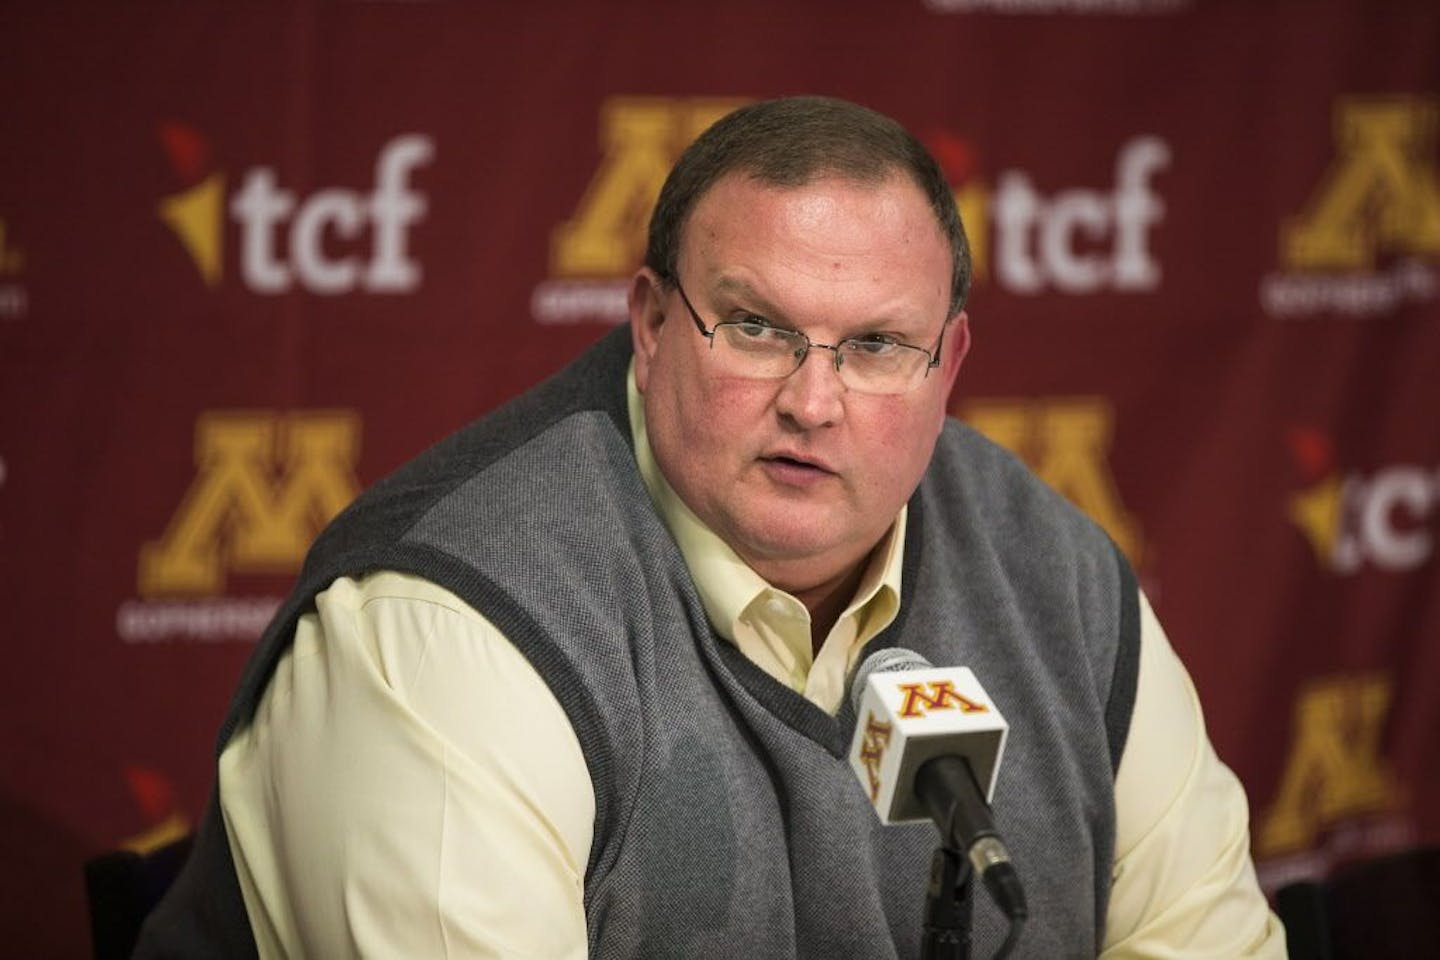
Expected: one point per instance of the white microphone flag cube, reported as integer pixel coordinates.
(907, 717)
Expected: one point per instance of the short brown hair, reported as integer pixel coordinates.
(794, 141)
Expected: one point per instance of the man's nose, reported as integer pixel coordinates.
(812, 395)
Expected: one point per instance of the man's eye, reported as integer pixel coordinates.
(757, 328)
(875, 345)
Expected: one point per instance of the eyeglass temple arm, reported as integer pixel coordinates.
(694, 315)
(935, 354)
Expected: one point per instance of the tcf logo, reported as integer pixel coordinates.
(284, 236)
(1354, 519)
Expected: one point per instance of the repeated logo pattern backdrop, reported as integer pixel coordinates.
(254, 257)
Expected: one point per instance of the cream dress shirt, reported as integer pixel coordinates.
(409, 786)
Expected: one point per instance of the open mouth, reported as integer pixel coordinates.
(796, 465)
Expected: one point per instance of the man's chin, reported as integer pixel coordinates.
(782, 551)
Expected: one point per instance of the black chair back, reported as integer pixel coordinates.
(122, 888)
(1382, 909)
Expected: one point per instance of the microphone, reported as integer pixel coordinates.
(927, 745)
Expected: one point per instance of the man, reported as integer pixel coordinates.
(574, 680)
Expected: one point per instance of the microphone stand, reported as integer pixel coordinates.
(947, 907)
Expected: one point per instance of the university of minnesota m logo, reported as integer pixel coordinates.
(942, 696)
(1066, 441)
(641, 138)
(594, 251)
(872, 751)
(266, 483)
(1380, 196)
(1335, 770)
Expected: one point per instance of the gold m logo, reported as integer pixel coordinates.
(942, 696)
(1335, 768)
(1380, 196)
(1066, 441)
(641, 139)
(266, 484)
(872, 751)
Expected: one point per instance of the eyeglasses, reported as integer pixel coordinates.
(751, 348)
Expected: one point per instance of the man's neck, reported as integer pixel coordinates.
(828, 600)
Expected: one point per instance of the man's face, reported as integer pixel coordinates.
(800, 476)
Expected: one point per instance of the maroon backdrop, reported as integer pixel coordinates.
(254, 257)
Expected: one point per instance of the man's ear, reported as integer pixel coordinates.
(956, 346)
(952, 355)
(647, 316)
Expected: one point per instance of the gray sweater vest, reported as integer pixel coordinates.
(728, 823)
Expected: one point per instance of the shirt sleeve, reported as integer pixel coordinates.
(1183, 881)
(408, 787)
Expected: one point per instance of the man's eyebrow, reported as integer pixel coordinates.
(736, 287)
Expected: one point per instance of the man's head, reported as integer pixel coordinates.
(791, 142)
(801, 474)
